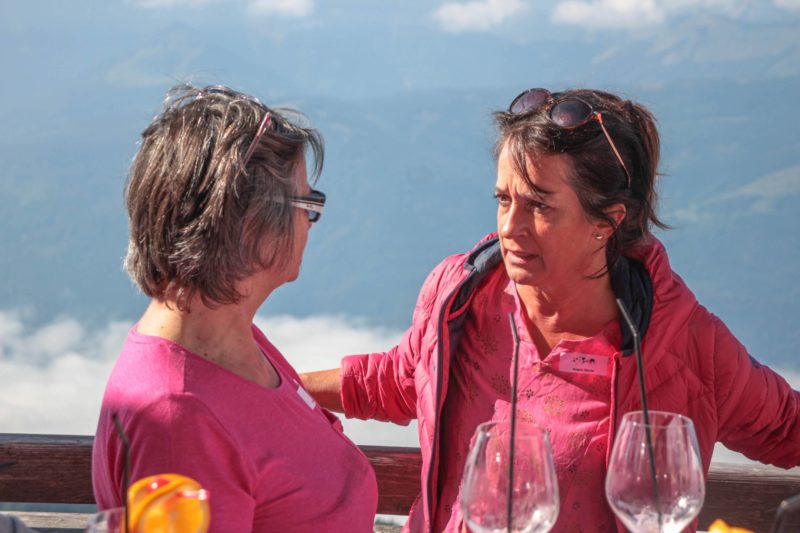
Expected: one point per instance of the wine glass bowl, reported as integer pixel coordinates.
(670, 500)
(485, 487)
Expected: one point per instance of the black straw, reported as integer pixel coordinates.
(515, 360)
(125, 467)
(637, 346)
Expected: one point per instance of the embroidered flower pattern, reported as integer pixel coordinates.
(501, 385)
(526, 416)
(554, 405)
(528, 393)
(488, 343)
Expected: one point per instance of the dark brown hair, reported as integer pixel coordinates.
(198, 222)
(597, 177)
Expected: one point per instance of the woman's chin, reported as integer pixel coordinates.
(528, 275)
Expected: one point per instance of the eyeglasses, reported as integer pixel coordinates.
(315, 201)
(569, 113)
(312, 204)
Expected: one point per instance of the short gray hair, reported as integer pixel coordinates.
(199, 222)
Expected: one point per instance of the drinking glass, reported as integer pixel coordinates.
(485, 487)
(180, 510)
(108, 521)
(670, 502)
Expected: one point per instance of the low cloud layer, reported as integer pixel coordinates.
(54, 375)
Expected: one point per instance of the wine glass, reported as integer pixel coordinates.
(485, 488)
(108, 521)
(670, 502)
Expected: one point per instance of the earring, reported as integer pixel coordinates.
(599, 237)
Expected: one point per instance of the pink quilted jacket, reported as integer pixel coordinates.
(693, 366)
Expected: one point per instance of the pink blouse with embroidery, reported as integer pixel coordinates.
(567, 392)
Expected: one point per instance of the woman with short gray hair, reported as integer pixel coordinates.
(219, 208)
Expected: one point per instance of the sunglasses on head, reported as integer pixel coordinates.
(313, 203)
(568, 113)
(262, 126)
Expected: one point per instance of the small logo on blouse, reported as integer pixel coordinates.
(306, 397)
(596, 365)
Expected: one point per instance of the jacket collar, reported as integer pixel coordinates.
(630, 282)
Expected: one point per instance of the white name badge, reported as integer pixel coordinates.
(306, 397)
(581, 363)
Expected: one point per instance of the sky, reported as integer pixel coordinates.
(403, 93)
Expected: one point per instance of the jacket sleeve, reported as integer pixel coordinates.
(382, 386)
(758, 412)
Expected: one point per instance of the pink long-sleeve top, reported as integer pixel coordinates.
(566, 392)
(272, 459)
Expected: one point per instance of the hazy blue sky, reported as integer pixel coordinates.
(402, 91)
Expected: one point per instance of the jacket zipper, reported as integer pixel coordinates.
(439, 377)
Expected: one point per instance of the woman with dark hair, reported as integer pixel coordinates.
(576, 201)
(219, 208)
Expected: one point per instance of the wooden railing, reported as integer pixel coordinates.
(57, 469)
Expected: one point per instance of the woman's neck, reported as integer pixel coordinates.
(579, 311)
(198, 325)
(222, 335)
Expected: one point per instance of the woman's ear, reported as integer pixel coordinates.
(617, 214)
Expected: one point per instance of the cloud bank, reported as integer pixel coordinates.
(54, 375)
(481, 15)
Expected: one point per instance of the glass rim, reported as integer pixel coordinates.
(636, 418)
(194, 494)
